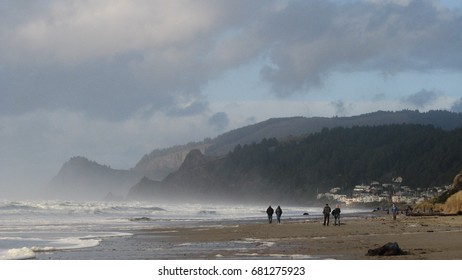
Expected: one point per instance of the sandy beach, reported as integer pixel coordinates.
(433, 237)
(428, 237)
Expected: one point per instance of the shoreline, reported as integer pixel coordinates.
(422, 237)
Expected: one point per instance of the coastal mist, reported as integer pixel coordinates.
(40, 228)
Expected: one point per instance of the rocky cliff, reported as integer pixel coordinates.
(146, 189)
(194, 180)
(449, 202)
(159, 163)
(80, 178)
(205, 178)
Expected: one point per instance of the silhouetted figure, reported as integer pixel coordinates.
(326, 213)
(336, 214)
(270, 212)
(394, 211)
(279, 214)
(408, 210)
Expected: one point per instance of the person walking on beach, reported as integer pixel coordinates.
(270, 212)
(336, 214)
(279, 214)
(394, 211)
(326, 213)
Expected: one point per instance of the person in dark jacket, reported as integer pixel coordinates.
(336, 214)
(394, 211)
(279, 214)
(326, 213)
(270, 213)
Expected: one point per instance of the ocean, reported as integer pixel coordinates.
(29, 228)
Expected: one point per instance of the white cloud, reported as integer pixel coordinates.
(77, 31)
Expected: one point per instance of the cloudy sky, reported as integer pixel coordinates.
(112, 80)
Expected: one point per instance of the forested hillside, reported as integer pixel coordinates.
(422, 155)
(299, 156)
(160, 163)
(297, 169)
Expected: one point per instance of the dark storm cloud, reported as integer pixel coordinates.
(421, 99)
(110, 59)
(219, 121)
(310, 39)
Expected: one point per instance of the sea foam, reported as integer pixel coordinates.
(17, 254)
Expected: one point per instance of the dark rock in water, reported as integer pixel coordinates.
(389, 249)
(305, 214)
(142, 219)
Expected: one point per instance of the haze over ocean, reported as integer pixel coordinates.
(39, 229)
(111, 81)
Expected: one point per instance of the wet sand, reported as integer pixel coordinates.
(428, 237)
(421, 237)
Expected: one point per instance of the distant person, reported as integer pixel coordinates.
(279, 214)
(394, 211)
(326, 213)
(336, 214)
(270, 212)
(408, 210)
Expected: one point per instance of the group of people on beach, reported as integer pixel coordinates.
(336, 213)
(326, 213)
(270, 212)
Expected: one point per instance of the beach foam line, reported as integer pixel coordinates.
(23, 253)
(259, 242)
(293, 256)
(60, 244)
(318, 237)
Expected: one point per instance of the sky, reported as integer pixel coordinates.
(112, 80)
